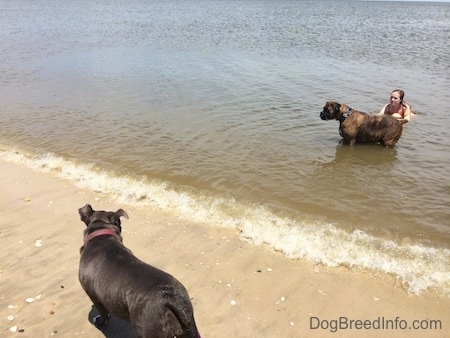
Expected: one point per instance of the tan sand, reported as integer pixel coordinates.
(237, 289)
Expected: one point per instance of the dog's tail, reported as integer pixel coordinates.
(185, 317)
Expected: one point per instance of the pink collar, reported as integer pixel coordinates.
(97, 233)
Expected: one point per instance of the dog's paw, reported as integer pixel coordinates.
(98, 321)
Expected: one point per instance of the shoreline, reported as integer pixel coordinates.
(237, 289)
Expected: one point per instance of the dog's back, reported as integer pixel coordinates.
(365, 128)
(135, 291)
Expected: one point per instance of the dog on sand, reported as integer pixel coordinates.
(118, 283)
(358, 127)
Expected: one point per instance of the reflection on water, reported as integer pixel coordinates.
(363, 155)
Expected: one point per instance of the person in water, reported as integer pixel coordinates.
(397, 107)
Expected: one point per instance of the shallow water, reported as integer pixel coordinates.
(213, 113)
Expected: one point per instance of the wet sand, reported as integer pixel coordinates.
(237, 289)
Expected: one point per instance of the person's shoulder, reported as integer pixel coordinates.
(407, 109)
(386, 106)
(406, 104)
(383, 110)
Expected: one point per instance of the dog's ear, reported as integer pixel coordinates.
(115, 218)
(121, 212)
(85, 213)
(336, 108)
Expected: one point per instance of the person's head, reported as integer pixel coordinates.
(397, 96)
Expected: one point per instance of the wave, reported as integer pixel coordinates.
(417, 266)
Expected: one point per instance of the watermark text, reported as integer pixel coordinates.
(380, 323)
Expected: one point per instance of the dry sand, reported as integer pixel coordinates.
(237, 289)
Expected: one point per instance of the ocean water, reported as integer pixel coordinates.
(210, 109)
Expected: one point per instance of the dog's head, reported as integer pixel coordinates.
(333, 110)
(90, 216)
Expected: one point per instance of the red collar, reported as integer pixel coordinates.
(97, 233)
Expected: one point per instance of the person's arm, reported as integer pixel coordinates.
(383, 109)
(407, 112)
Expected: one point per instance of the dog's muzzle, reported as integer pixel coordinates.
(325, 115)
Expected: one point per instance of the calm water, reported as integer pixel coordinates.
(210, 109)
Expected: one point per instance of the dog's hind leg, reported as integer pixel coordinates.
(103, 318)
(150, 327)
(156, 322)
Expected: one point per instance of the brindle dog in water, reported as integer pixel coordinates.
(358, 127)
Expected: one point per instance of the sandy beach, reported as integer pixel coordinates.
(237, 289)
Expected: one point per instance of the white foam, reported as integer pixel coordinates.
(416, 266)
